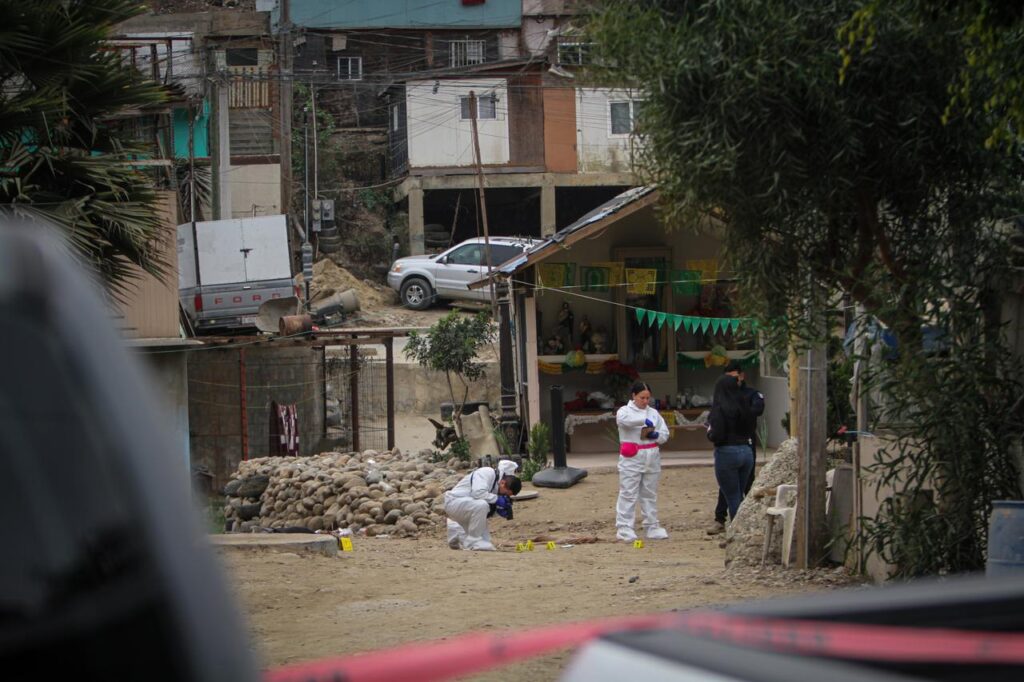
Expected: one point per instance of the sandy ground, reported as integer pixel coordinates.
(392, 591)
(392, 316)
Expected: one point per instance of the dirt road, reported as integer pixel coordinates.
(392, 591)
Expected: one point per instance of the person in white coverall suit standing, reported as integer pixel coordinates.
(480, 494)
(641, 430)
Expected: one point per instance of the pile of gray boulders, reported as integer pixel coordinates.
(377, 493)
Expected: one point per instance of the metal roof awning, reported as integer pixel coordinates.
(614, 209)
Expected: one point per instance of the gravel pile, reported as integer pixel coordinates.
(377, 493)
(744, 536)
(775, 575)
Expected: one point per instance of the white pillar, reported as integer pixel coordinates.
(532, 372)
(223, 152)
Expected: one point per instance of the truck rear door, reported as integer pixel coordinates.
(264, 246)
(221, 252)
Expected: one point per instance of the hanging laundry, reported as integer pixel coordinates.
(284, 430)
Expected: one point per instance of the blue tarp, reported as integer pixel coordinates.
(934, 338)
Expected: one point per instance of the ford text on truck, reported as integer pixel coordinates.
(227, 268)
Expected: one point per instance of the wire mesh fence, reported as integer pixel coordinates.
(357, 397)
(260, 401)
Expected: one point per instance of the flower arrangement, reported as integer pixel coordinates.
(620, 377)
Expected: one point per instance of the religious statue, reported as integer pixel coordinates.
(564, 328)
(554, 346)
(585, 334)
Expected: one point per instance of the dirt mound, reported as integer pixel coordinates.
(330, 278)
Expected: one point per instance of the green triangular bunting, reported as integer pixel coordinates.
(734, 324)
(640, 312)
(716, 324)
(704, 323)
(676, 321)
(661, 318)
(651, 314)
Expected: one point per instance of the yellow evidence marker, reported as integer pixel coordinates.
(520, 547)
(529, 545)
(345, 543)
(551, 544)
(638, 544)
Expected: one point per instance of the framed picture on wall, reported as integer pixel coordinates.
(650, 348)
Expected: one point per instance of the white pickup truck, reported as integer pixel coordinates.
(227, 268)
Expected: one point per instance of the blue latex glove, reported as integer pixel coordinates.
(648, 423)
(652, 435)
(503, 507)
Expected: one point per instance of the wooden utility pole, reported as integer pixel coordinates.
(810, 421)
(483, 202)
(285, 106)
(861, 407)
(316, 155)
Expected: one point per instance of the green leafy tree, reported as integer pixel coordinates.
(452, 346)
(834, 176)
(61, 156)
(990, 79)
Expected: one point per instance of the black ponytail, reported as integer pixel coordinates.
(639, 386)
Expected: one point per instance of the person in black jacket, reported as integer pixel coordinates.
(731, 429)
(756, 401)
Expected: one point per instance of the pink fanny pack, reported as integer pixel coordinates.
(630, 449)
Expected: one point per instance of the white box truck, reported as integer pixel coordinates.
(227, 268)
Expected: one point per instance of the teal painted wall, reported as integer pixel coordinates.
(403, 14)
(201, 133)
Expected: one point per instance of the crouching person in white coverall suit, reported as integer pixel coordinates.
(479, 495)
(641, 431)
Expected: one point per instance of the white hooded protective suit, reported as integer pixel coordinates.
(638, 475)
(467, 505)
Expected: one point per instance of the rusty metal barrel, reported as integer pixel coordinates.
(289, 325)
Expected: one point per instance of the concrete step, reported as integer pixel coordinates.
(297, 543)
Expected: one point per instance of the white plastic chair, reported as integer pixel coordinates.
(788, 514)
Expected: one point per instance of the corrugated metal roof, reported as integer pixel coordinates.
(596, 219)
(610, 207)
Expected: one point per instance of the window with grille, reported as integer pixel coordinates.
(623, 115)
(350, 68)
(466, 52)
(573, 52)
(487, 107)
(241, 56)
